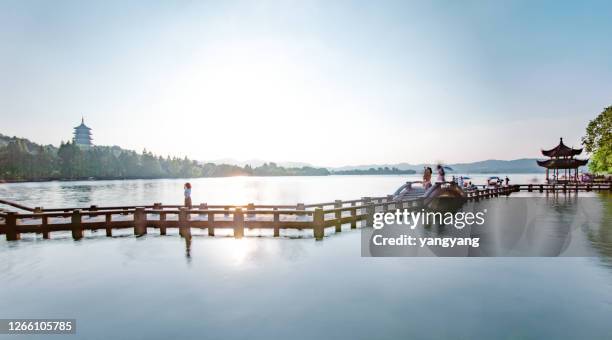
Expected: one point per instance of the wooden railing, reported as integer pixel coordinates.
(565, 187)
(488, 192)
(301, 216)
(211, 217)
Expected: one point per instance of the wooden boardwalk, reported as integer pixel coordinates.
(315, 217)
(565, 187)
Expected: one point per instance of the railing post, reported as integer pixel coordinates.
(250, 208)
(11, 226)
(277, 222)
(109, 229)
(354, 216)
(77, 228)
(203, 206)
(370, 210)
(238, 223)
(184, 229)
(211, 224)
(338, 215)
(45, 227)
(318, 224)
(300, 206)
(162, 222)
(140, 221)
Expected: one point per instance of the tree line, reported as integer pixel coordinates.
(22, 160)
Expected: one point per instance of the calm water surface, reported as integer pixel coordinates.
(234, 190)
(262, 288)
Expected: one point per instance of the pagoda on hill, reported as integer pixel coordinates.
(82, 135)
(561, 157)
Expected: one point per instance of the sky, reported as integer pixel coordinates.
(329, 83)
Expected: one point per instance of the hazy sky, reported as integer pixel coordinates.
(329, 82)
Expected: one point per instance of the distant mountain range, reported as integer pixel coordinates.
(522, 165)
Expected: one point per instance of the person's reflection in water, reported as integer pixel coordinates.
(188, 247)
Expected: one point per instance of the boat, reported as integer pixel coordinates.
(440, 196)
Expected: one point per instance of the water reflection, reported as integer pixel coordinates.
(600, 233)
(551, 226)
(188, 246)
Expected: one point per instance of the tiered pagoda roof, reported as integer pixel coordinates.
(563, 163)
(82, 134)
(561, 150)
(562, 157)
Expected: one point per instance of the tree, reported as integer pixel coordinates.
(71, 160)
(598, 142)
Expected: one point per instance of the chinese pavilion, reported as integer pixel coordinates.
(562, 158)
(82, 135)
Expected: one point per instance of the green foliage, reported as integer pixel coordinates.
(23, 160)
(598, 142)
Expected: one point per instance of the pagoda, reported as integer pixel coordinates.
(82, 135)
(561, 157)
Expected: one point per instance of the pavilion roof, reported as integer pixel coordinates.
(561, 150)
(567, 163)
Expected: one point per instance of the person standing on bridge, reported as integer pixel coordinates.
(507, 181)
(441, 174)
(427, 177)
(187, 188)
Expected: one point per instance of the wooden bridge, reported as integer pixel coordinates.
(315, 217)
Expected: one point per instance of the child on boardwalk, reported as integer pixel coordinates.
(187, 188)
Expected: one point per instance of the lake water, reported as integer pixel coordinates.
(233, 190)
(262, 288)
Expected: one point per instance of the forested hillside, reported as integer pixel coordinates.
(22, 160)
